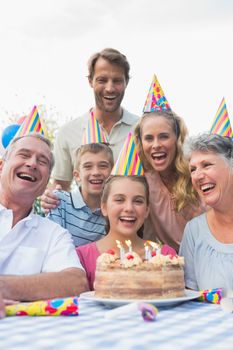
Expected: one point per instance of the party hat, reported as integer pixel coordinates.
(128, 162)
(31, 124)
(156, 100)
(93, 133)
(221, 124)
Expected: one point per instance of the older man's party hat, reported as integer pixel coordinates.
(93, 132)
(128, 162)
(221, 124)
(32, 123)
(156, 100)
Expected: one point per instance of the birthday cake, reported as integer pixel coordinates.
(160, 277)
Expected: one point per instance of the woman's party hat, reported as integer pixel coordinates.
(93, 132)
(128, 162)
(32, 123)
(221, 124)
(156, 100)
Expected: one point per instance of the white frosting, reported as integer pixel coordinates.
(166, 259)
(129, 262)
(106, 258)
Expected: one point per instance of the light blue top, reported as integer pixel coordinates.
(208, 262)
(72, 213)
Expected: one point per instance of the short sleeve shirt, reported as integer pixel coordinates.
(73, 214)
(69, 138)
(208, 262)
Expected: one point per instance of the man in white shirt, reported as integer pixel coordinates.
(37, 256)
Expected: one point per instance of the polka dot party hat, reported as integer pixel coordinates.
(156, 100)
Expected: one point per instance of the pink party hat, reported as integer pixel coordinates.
(31, 124)
(221, 124)
(156, 100)
(93, 132)
(128, 162)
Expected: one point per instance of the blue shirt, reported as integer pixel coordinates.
(72, 213)
(208, 262)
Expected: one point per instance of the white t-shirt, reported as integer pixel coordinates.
(34, 245)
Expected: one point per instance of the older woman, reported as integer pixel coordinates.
(207, 244)
(159, 137)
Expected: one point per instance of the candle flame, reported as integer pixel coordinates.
(154, 245)
(119, 244)
(128, 243)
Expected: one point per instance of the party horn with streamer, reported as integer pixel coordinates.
(148, 311)
(213, 296)
(53, 307)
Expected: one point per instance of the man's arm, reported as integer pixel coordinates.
(48, 285)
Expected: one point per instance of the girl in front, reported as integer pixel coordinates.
(124, 204)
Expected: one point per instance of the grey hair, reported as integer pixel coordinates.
(35, 135)
(207, 142)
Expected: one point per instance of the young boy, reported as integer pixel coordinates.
(79, 210)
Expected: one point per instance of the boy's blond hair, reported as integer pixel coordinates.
(92, 148)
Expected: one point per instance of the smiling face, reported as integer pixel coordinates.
(94, 169)
(26, 170)
(126, 207)
(211, 177)
(159, 143)
(109, 84)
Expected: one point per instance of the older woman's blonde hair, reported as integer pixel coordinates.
(182, 191)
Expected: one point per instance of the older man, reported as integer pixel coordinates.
(37, 256)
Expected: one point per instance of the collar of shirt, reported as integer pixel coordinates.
(78, 201)
(127, 118)
(7, 214)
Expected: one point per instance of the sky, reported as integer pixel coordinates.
(45, 45)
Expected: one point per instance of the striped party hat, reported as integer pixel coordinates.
(31, 124)
(128, 162)
(93, 132)
(221, 124)
(156, 100)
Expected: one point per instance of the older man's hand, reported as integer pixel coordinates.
(49, 200)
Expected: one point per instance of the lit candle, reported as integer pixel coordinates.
(129, 245)
(155, 247)
(147, 251)
(122, 251)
